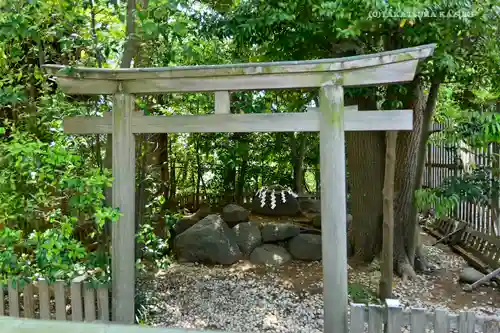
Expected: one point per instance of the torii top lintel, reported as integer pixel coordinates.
(371, 69)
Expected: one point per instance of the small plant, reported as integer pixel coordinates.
(362, 294)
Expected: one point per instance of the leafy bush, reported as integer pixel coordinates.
(46, 191)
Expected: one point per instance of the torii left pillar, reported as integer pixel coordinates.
(123, 232)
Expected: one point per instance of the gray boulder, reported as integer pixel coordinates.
(470, 275)
(248, 236)
(305, 247)
(270, 254)
(208, 241)
(274, 232)
(233, 214)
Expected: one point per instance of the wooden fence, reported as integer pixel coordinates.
(481, 246)
(76, 301)
(445, 161)
(391, 318)
(188, 200)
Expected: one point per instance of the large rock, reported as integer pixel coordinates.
(270, 254)
(275, 232)
(470, 275)
(248, 236)
(188, 221)
(233, 214)
(208, 241)
(275, 201)
(305, 247)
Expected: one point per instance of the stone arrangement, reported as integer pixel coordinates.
(228, 237)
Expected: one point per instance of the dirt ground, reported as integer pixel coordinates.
(439, 289)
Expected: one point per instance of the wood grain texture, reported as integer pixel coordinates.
(333, 207)
(60, 299)
(2, 300)
(76, 300)
(441, 322)
(395, 316)
(76, 86)
(123, 231)
(18, 325)
(256, 122)
(29, 300)
(357, 322)
(44, 299)
(13, 299)
(103, 303)
(375, 319)
(89, 302)
(248, 69)
(418, 320)
(378, 68)
(222, 102)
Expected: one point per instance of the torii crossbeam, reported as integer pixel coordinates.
(329, 75)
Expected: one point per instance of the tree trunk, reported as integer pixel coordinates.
(365, 164)
(385, 287)
(298, 150)
(495, 196)
(240, 185)
(173, 170)
(199, 171)
(407, 250)
(365, 160)
(163, 162)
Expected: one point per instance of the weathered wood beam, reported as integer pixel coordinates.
(247, 69)
(263, 122)
(333, 207)
(123, 231)
(381, 74)
(378, 68)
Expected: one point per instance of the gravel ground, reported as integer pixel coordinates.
(240, 300)
(245, 298)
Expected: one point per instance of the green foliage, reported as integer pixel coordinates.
(362, 294)
(43, 188)
(52, 185)
(153, 249)
(471, 126)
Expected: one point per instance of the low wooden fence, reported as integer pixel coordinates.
(482, 246)
(372, 319)
(393, 318)
(76, 301)
(189, 200)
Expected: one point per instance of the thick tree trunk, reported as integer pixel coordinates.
(365, 164)
(365, 161)
(411, 157)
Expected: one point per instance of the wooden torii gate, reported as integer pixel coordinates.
(329, 75)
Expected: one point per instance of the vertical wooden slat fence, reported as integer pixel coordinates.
(443, 162)
(78, 301)
(391, 318)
